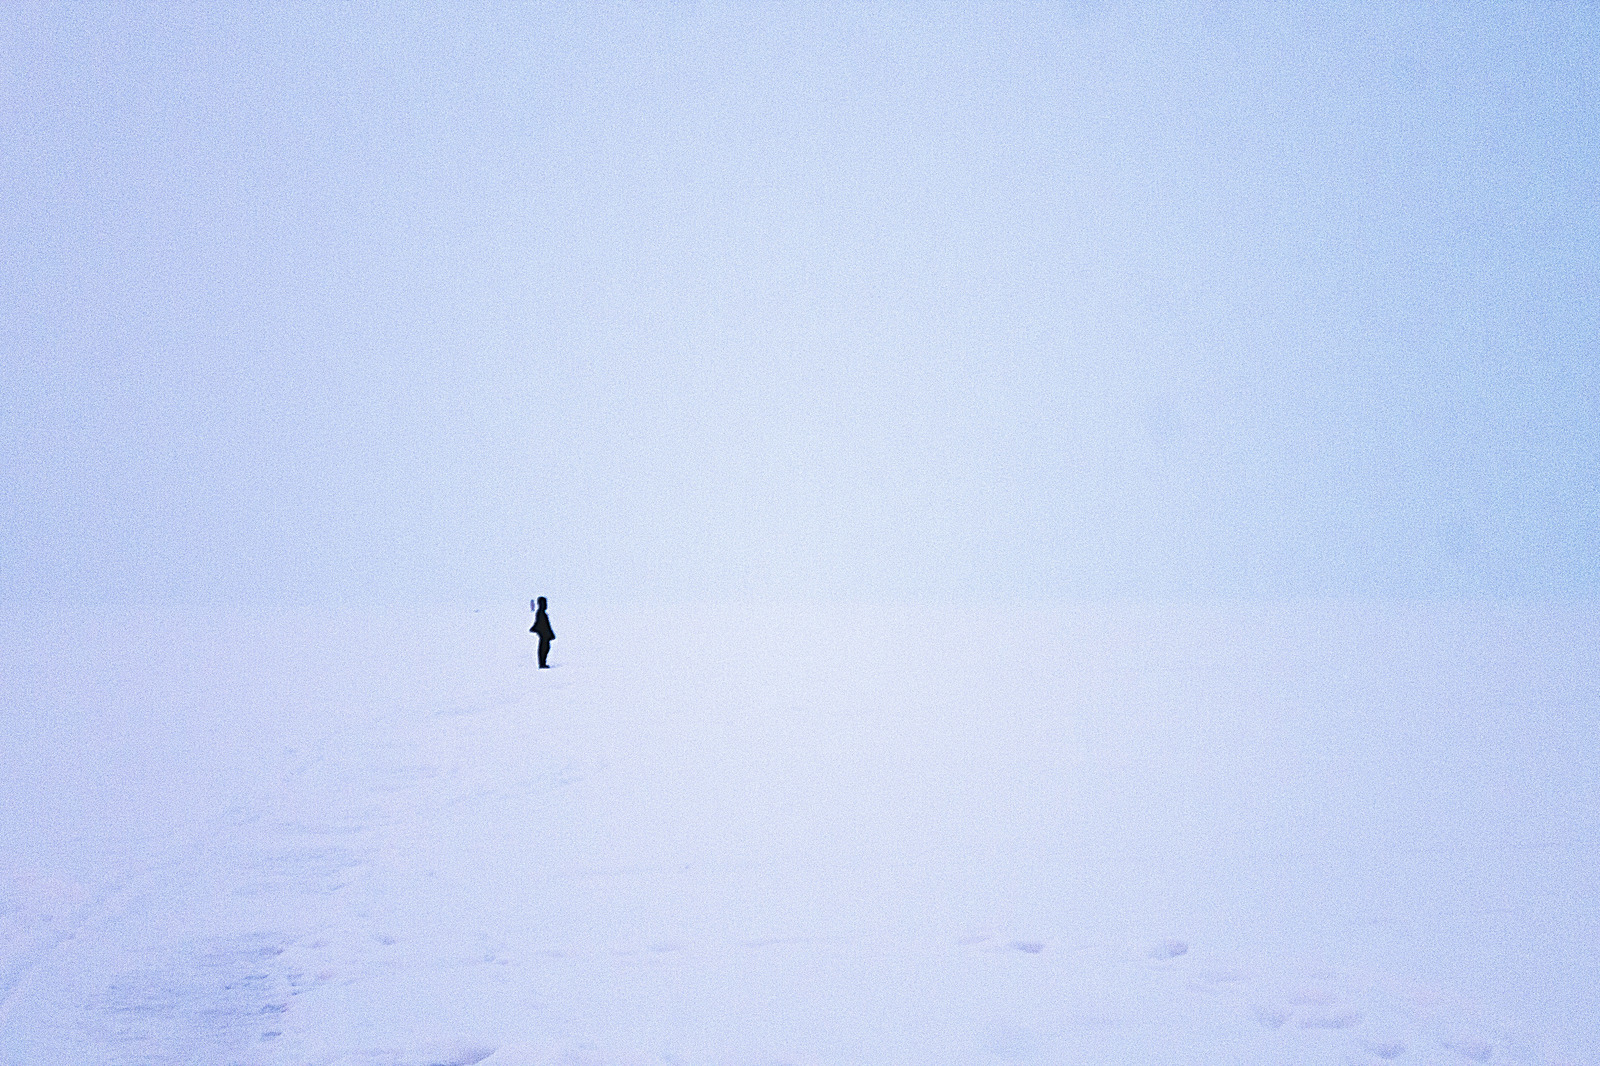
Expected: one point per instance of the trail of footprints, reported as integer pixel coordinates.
(1320, 1017)
(1356, 1023)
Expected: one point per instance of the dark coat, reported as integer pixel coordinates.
(541, 626)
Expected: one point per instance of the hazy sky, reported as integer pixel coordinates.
(998, 301)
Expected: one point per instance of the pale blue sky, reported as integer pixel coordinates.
(608, 301)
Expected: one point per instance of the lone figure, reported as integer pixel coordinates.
(541, 626)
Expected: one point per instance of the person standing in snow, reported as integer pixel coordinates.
(541, 626)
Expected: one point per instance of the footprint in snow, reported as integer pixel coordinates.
(1271, 1017)
(1169, 949)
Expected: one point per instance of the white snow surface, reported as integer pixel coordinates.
(1287, 833)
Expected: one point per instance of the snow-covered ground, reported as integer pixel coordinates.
(1254, 834)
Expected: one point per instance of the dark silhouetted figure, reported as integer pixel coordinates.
(541, 626)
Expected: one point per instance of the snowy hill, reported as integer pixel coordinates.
(1296, 834)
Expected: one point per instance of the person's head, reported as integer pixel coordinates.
(541, 602)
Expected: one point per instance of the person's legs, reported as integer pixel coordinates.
(544, 650)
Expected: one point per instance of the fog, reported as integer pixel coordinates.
(997, 303)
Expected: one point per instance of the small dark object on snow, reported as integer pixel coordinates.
(541, 626)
